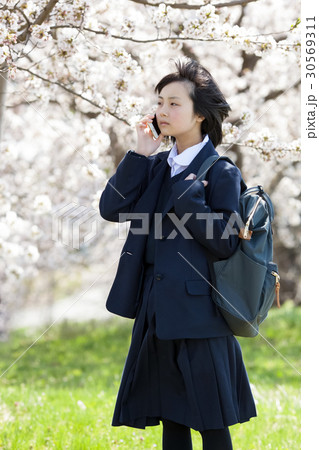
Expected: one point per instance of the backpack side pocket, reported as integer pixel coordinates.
(268, 292)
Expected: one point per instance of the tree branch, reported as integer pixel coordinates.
(274, 94)
(45, 12)
(156, 39)
(71, 91)
(39, 20)
(187, 6)
(189, 52)
(27, 21)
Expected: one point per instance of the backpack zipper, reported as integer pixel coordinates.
(246, 229)
(276, 275)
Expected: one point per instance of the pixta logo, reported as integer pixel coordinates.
(205, 223)
(75, 225)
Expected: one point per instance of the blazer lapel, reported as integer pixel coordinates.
(147, 202)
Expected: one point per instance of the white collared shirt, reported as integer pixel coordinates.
(179, 162)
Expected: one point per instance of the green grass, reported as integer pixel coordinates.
(72, 363)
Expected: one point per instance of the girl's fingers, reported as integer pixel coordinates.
(146, 119)
(192, 176)
(142, 124)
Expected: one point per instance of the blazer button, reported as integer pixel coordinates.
(158, 276)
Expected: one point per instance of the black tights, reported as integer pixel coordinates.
(178, 437)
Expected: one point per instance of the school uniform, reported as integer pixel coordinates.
(184, 364)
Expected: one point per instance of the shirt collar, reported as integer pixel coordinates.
(187, 156)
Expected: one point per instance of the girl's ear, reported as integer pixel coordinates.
(200, 118)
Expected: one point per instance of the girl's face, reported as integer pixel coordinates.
(175, 112)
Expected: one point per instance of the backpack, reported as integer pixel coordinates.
(246, 284)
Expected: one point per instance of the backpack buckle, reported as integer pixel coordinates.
(276, 275)
(245, 233)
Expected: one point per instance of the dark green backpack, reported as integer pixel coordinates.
(246, 284)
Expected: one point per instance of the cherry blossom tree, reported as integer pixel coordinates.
(75, 76)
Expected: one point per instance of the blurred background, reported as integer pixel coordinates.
(75, 76)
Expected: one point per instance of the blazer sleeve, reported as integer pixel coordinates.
(214, 223)
(124, 188)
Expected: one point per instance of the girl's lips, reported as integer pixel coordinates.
(164, 123)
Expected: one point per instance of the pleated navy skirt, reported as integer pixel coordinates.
(200, 383)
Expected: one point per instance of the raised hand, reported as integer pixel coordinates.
(146, 144)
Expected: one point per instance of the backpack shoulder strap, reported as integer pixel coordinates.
(210, 161)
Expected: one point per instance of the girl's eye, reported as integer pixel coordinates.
(159, 104)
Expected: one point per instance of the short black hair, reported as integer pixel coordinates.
(208, 100)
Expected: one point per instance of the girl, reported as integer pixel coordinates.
(184, 366)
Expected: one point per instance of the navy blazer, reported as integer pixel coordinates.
(183, 304)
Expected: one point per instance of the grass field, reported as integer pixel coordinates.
(61, 392)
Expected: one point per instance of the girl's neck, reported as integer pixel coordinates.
(182, 143)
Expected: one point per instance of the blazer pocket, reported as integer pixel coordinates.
(198, 287)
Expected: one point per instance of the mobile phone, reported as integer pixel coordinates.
(153, 126)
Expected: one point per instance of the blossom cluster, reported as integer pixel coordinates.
(72, 13)
(263, 141)
(95, 140)
(30, 9)
(268, 145)
(40, 33)
(124, 61)
(18, 252)
(9, 23)
(66, 42)
(210, 24)
(161, 15)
